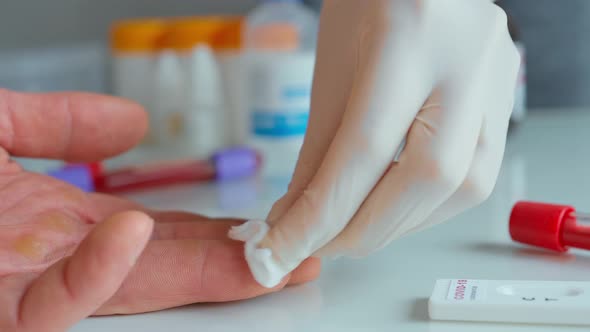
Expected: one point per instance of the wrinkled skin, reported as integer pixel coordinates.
(66, 254)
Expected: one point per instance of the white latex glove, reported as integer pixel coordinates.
(441, 73)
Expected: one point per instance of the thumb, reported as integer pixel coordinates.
(77, 286)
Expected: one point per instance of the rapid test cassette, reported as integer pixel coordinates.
(533, 302)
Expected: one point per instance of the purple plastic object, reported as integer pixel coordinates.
(78, 176)
(236, 163)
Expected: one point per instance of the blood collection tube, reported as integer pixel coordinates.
(550, 226)
(229, 164)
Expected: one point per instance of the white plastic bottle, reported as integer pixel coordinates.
(229, 46)
(169, 89)
(280, 40)
(189, 90)
(134, 49)
(204, 108)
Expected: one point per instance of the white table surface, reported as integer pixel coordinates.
(548, 159)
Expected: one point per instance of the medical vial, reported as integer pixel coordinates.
(134, 51)
(190, 89)
(280, 42)
(550, 226)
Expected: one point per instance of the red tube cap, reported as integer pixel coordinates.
(539, 224)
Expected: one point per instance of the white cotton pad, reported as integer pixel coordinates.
(265, 269)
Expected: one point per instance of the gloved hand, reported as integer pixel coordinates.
(433, 79)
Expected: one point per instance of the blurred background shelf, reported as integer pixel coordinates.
(63, 44)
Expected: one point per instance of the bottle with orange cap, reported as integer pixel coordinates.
(188, 88)
(134, 49)
(228, 44)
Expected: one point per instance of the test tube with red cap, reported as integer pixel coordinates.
(550, 226)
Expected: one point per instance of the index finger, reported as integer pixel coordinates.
(72, 126)
(173, 273)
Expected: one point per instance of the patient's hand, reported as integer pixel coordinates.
(66, 254)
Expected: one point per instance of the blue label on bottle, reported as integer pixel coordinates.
(280, 123)
(296, 92)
